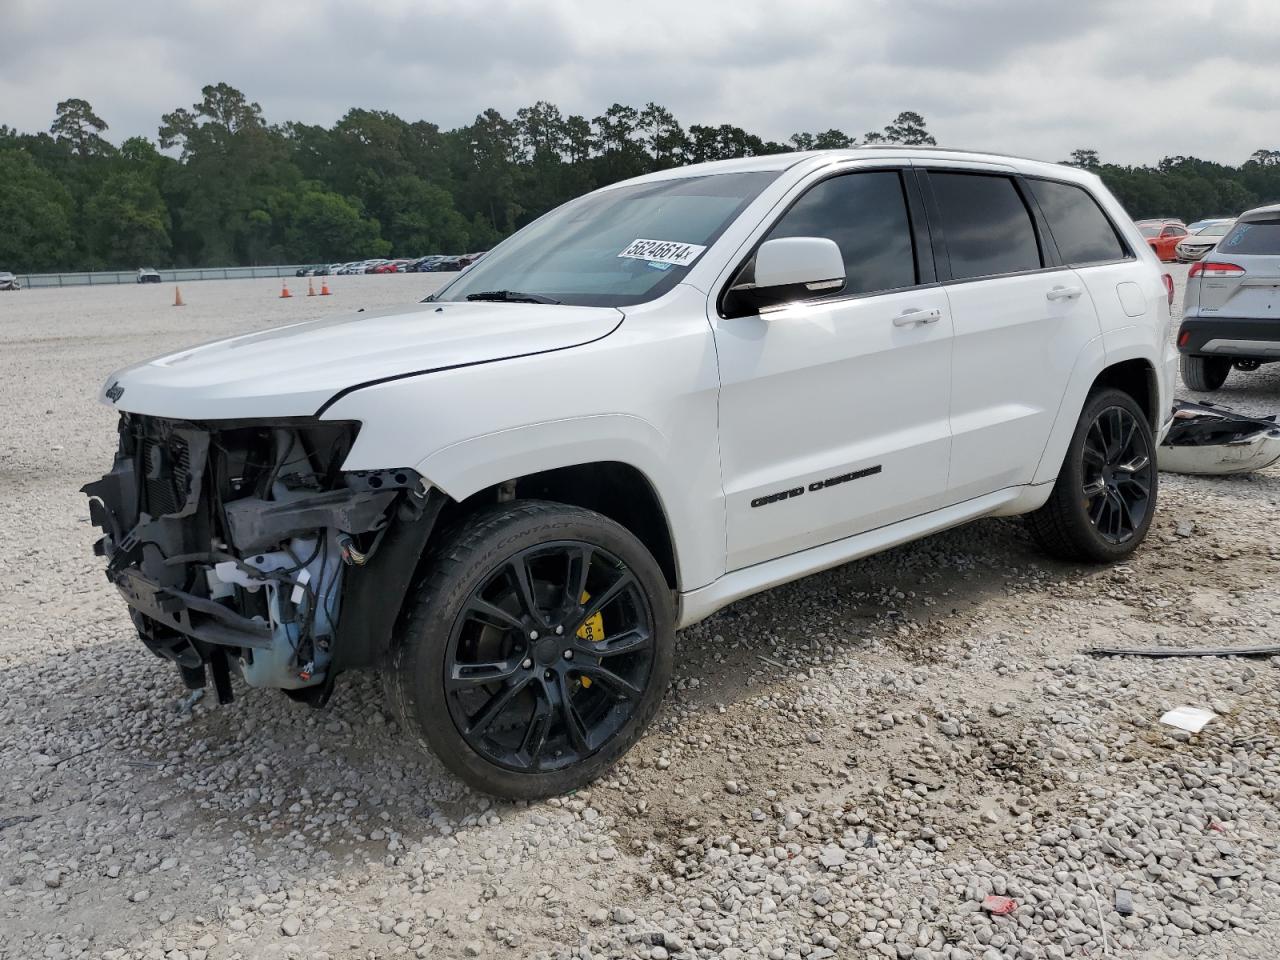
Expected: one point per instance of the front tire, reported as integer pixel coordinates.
(1105, 495)
(536, 651)
(1204, 373)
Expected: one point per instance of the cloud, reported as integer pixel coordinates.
(1137, 80)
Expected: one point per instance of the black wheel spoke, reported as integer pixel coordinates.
(495, 707)
(579, 560)
(569, 716)
(477, 674)
(628, 642)
(618, 684)
(605, 598)
(535, 734)
(489, 613)
(518, 572)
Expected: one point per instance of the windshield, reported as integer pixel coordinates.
(616, 248)
(1214, 230)
(1257, 236)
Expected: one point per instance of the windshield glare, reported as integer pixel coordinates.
(586, 252)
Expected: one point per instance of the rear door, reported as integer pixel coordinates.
(1020, 317)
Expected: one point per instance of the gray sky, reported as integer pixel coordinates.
(1136, 79)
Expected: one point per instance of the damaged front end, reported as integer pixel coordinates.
(243, 545)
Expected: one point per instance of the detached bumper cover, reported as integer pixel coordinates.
(1239, 338)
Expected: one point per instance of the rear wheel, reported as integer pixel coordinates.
(1105, 495)
(1204, 373)
(538, 649)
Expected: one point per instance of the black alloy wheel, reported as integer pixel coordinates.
(549, 656)
(1104, 498)
(536, 648)
(1117, 468)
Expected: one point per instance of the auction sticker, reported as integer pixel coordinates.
(663, 251)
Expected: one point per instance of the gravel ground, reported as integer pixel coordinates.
(846, 766)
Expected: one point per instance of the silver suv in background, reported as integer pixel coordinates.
(1232, 312)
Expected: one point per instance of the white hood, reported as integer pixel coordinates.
(293, 371)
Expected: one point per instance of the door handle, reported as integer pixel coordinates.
(1063, 293)
(914, 315)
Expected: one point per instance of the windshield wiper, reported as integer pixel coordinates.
(510, 296)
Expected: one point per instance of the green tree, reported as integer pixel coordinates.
(325, 226)
(127, 223)
(36, 211)
(76, 125)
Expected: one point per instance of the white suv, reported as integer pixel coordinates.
(656, 399)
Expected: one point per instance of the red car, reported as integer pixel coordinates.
(1163, 236)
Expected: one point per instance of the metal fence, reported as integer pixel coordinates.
(166, 276)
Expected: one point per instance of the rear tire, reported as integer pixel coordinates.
(1105, 495)
(500, 666)
(1204, 373)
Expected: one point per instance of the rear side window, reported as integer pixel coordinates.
(987, 226)
(1080, 228)
(1256, 237)
(866, 215)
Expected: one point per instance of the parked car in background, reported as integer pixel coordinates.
(1231, 309)
(148, 275)
(1201, 241)
(371, 265)
(1163, 236)
(316, 270)
(8, 281)
(1197, 225)
(655, 400)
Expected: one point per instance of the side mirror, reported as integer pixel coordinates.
(792, 268)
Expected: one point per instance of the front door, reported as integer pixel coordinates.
(833, 411)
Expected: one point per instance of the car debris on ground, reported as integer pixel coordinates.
(1208, 440)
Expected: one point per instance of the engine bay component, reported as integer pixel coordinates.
(232, 542)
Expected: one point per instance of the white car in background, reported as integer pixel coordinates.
(655, 400)
(8, 281)
(1203, 238)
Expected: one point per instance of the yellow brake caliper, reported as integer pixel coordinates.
(592, 631)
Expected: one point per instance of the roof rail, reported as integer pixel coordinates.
(978, 153)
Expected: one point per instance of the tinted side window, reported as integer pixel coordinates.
(1080, 228)
(866, 215)
(987, 227)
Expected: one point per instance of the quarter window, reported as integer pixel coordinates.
(1080, 228)
(987, 226)
(866, 215)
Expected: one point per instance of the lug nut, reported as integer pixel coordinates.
(527, 664)
(533, 634)
(568, 654)
(559, 630)
(546, 675)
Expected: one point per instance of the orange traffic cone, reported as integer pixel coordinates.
(324, 288)
(284, 290)
(177, 298)
(311, 289)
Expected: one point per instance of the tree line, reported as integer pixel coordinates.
(219, 186)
